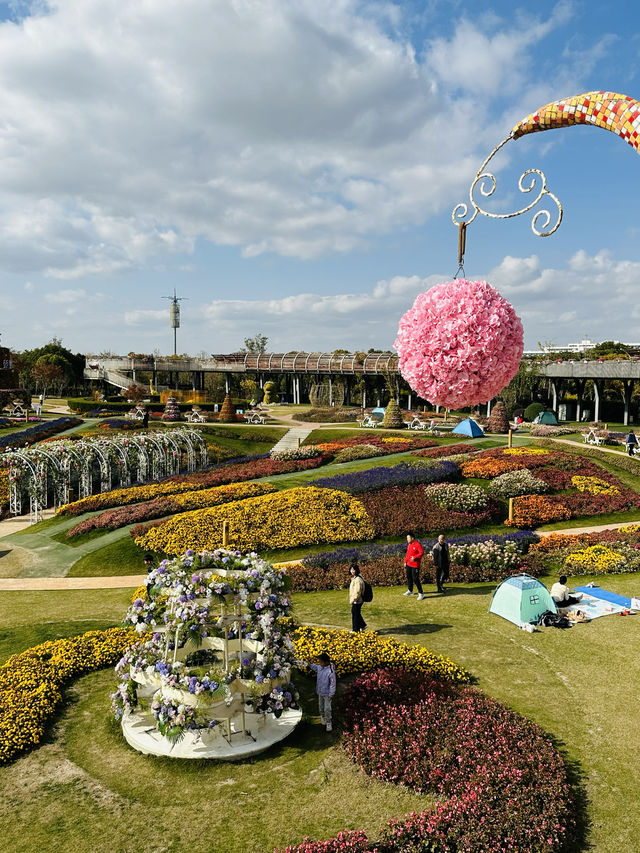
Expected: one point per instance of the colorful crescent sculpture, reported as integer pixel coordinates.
(618, 113)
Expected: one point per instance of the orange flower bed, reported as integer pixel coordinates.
(532, 510)
(488, 467)
(556, 541)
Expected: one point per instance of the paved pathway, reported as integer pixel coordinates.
(293, 439)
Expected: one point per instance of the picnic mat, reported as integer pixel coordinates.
(605, 595)
(595, 607)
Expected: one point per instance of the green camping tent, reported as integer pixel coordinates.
(521, 598)
(546, 418)
(468, 427)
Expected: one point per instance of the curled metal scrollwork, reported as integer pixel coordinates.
(485, 184)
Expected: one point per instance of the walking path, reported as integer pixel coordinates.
(292, 439)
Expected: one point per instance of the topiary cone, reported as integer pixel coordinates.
(392, 416)
(227, 412)
(498, 420)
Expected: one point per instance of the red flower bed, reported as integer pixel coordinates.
(504, 786)
(389, 571)
(400, 508)
(555, 478)
(390, 444)
(446, 450)
(584, 503)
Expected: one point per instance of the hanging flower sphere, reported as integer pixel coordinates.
(459, 344)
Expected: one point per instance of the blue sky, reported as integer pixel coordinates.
(291, 167)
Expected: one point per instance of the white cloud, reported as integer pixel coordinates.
(65, 297)
(132, 129)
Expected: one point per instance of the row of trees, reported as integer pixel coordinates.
(49, 369)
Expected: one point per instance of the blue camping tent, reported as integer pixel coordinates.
(468, 427)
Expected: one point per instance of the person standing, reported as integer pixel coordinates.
(631, 442)
(356, 592)
(442, 561)
(145, 419)
(325, 687)
(412, 561)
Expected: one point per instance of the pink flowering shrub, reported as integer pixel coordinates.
(459, 344)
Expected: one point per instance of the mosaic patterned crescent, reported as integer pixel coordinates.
(618, 113)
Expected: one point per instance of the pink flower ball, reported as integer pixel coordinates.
(459, 344)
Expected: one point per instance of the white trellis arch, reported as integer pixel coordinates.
(139, 442)
(84, 473)
(19, 460)
(158, 458)
(172, 453)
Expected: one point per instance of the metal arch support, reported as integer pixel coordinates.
(157, 458)
(184, 436)
(124, 472)
(105, 467)
(15, 490)
(172, 465)
(486, 185)
(143, 457)
(60, 488)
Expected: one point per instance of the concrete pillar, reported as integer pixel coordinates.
(554, 392)
(227, 383)
(597, 394)
(347, 390)
(194, 380)
(330, 391)
(488, 408)
(580, 391)
(364, 396)
(628, 391)
(409, 406)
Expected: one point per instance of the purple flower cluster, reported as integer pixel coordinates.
(382, 477)
(38, 432)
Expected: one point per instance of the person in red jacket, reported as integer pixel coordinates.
(412, 562)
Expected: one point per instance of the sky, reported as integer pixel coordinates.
(290, 168)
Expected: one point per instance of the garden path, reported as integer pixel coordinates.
(292, 439)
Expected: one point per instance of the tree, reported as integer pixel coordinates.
(519, 392)
(45, 375)
(255, 345)
(134, 392)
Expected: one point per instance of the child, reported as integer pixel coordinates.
(325, 687)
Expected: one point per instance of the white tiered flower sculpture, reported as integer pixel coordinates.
(214, 678)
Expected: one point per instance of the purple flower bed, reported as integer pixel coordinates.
(374, 479)
(368, 553)
(45, 429)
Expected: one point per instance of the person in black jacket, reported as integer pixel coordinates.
(442, 561)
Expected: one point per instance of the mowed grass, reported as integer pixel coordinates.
(85, 790)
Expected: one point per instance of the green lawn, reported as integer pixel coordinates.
(85, 790)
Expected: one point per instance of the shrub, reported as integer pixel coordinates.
(302, 516)
(498, 420)
(532, 411)
(515, 483)
(445, 450)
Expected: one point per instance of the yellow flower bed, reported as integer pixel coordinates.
(31, 682)
(629, 528)
(394, 439)
(525, 451)
(123, 497)
(366, 650)
(593, 485)
(302, 516)
(595, 559)
(4, 487)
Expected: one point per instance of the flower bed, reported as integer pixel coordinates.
(31, 683)
(219, 476)
(383, 565)
(382, 477)
(362, 451)
(301, 516)
(600, 552)
(515, 483)
(474, 754)
(385, 443)
(595, 559)
(112, 519)
(364, 651)
(39, 432)
(532, 510)
(593, 485)
(458, 496)
(308, 451)
(395, 510)
(446, 450)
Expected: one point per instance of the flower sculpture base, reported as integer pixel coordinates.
(261, 732)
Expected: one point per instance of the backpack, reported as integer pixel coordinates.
(549, 619)
(367, 595)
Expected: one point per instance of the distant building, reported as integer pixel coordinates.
(580, 346)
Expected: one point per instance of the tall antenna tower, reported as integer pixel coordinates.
(174, 316)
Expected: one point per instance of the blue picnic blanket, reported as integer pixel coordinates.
(605, 595)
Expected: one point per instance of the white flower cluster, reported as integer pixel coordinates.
(457, 496)
(486, 555)
(515, 483)
(305, 452)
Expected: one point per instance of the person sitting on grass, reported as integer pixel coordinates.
(325, 687)
(561, 595)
